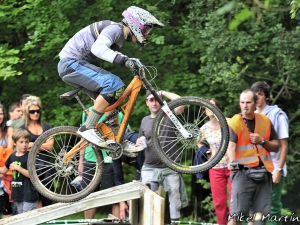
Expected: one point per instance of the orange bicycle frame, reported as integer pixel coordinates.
(131, 91)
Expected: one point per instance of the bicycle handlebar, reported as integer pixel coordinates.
(142, 75)
(133, 67)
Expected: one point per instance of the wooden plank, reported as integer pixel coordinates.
(165, 195)
(129, 191)
(153, 209)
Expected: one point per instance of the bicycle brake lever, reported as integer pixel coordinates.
(143, 73)
(141, 68)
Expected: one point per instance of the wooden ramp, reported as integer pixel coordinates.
(147, 208)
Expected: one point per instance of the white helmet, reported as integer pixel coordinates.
(140, 23)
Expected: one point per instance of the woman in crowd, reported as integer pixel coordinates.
(5, 180)
(219, 174)
(34, 125)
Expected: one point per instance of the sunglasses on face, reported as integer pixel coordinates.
(34, 111)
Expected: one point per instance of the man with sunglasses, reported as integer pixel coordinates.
(102, 40)
(153, 169)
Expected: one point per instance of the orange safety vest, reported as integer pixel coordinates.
(4, 154)
(249, 154)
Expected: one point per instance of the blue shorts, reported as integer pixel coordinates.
(94, 80)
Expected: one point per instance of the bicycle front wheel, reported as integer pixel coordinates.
(52, 177)
(179, 153)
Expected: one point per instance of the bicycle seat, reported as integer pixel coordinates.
(70, 94)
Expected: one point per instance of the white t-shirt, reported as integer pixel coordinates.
(280, 123)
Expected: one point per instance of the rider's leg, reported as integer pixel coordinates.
(100, 105)
(87, 130)
(94, 80)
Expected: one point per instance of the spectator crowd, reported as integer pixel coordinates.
(248, 180)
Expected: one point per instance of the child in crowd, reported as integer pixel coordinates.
(24, 195)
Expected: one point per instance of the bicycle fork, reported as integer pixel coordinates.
(167, 110)
(176, 122)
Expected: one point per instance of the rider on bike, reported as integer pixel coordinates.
(102, 40)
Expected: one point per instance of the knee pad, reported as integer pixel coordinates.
(111, 98)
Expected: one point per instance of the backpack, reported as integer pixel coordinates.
(199, 159)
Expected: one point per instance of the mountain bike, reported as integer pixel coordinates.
(64, 158)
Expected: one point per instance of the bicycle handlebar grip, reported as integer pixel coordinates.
(130, 64)
(133, 65)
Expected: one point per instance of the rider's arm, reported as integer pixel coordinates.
(173, 96)
(101, 47)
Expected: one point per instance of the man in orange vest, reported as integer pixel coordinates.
(252, 138)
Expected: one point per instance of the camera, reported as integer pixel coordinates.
(234, 165)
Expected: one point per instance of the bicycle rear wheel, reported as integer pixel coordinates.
(179, 153)
(52, 177)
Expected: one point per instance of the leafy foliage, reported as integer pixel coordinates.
(294, 8)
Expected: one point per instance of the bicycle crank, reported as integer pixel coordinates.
(114, 149)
